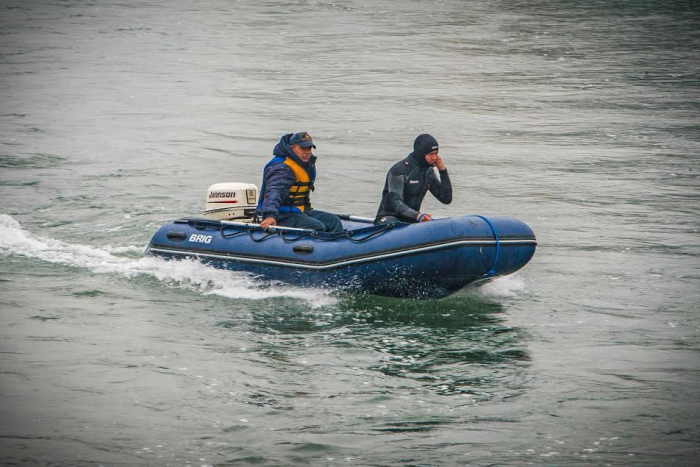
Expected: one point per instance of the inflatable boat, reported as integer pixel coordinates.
(424, 260)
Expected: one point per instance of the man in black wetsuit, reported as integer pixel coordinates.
(410, 179)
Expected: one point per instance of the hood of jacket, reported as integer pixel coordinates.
(284, 149)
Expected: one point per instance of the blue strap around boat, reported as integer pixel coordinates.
(498, 245)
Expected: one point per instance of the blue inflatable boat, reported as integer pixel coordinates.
(424, 260)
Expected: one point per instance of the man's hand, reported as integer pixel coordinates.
(424, 217)
(439, 164)
(268, 222)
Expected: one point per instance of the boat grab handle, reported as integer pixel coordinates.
(492, 271)
(303, 249)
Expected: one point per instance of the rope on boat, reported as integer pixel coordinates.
(492, 271)
(264, 237)
(313, 234)
(223, 235)
(349, 235)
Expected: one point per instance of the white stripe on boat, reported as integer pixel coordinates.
(277, 262)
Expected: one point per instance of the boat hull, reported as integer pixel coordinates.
(426, 260)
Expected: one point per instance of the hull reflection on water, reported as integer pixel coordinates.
(449, 347)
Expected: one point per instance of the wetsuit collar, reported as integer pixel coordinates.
(418, 161)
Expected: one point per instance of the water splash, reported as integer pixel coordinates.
(507, 286)
(124, 249)
(187, 274)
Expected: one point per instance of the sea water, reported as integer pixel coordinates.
(579, 118)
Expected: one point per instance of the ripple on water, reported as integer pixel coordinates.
(30, 161)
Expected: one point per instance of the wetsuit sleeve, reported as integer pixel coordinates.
(396, 184)
(279, 179)
(441, 187)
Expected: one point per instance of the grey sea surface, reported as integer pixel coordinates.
(582, 119)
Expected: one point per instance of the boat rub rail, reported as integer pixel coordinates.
(344, 260)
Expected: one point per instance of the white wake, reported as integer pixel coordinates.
(187, 274)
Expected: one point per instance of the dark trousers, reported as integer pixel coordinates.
(311, 219)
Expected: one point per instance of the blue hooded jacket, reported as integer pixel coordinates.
(278, 178)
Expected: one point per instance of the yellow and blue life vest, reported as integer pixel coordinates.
(298, 198)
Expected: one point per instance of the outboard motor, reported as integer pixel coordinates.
(231, 201)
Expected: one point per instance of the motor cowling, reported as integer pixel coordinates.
(231, 201)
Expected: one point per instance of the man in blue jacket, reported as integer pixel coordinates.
(410, 179)
(288, 180)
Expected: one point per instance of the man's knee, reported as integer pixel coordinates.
(301, 221)
(315, 224)
(330, 221)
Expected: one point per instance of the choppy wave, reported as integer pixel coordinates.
(30, 161)
(187, 274)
